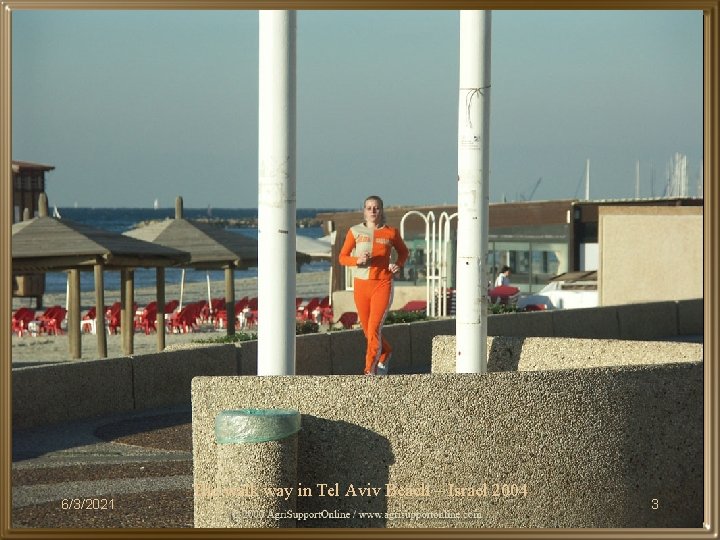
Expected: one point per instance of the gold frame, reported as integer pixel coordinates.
(711, 144)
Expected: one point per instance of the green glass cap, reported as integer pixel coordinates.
(255, 425)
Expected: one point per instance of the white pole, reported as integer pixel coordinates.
(276, 193)
(182, 288)
(587, 180)
(427, 249)
(207, 277)
(444, 243)
(637, 179)
(431, 266)
(473, 193)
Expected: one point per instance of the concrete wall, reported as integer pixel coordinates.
(57, 393)
(402, 294)
(573, 448)
(534, 354)
(61, 392)
(650, 253)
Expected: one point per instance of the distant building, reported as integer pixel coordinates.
(28, 183)
(537, 239)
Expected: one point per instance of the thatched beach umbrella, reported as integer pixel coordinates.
(209, 248)
(45, 243)
(317, 249)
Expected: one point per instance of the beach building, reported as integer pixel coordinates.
(28, 183)
(540, 240)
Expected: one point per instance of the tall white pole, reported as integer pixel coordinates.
(637, 179)
(473, 192)
(587, 180)
(276, 194)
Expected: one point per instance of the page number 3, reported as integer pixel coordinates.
(655, 504)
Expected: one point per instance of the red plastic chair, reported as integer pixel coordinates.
(89, 320)
(185, 320)
(250, 313)
(240, 305)
(307, 310)
(327, 315)
(220, 319)
(216, 305)
(52, 320)
(148, 319)
(140, 315)
(20, 320)
(415, 305)
(348, 319)
(504, 295)
(112, 317)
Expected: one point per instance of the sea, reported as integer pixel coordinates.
(123, 219)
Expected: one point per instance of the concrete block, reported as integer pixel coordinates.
(312, 354)
(52, 394)
(599, 322)
(691, 317)
(536, 323)
(443, 354)
(164, 378)
(422, 335)
(648, 321)
(347, 350)
(398, 335)
(534, 354)
(634, 433)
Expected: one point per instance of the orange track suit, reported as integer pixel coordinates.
(373, 283)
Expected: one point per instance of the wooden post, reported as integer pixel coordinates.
(128, 316)
(73, 315)
(230, 299)
(160, 319)
(100, 311)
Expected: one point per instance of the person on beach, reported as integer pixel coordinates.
(503, 278)
(367, 248)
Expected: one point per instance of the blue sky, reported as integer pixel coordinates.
(134, 106)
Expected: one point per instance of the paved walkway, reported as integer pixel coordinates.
(131, 470)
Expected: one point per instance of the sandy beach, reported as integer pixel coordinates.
(36, 350)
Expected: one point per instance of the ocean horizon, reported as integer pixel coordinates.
(123, 219)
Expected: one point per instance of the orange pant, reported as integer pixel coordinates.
(372, 299)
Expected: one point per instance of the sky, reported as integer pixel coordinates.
(135, 106)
